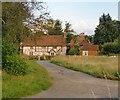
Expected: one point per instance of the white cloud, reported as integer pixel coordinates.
(84, 26)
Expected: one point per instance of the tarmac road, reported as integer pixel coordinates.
(72, 84)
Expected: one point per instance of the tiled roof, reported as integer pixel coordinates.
(83, 42)
(89, 46)
(45, 40)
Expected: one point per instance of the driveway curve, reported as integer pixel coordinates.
(71, 84)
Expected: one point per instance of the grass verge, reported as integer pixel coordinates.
(35, 81)
(98, 66)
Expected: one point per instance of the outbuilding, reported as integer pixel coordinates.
(89, 50)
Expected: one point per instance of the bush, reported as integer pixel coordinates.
(74, 51)
(8, 49)
(15, 65)
(110, 48)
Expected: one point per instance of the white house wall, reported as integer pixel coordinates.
(43, 50)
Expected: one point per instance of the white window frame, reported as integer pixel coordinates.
(85, 53)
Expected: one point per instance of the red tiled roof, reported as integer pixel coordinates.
(51, 40)
(90, 47)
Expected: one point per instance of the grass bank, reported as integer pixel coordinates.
(98, 66)
(35, 81)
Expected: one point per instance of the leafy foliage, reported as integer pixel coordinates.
(107, 30)
(69, 37)
(68, 28)
(15, 65)
(55, 27)
(75, 50)
(110, 48)
(17, 18)
(11, 62)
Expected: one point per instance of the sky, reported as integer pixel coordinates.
(84, 16)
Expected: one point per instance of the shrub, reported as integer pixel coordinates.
(8, 49)
(74, 51)
(15, 65)
(110, 48)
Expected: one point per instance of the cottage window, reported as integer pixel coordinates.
(52, 54)
(85, 53)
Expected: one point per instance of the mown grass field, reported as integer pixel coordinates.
(98, 66)
(35, 81)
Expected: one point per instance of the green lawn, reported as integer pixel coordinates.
(98, 66)
(21, 86)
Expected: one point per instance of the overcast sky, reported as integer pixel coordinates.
(84, 16)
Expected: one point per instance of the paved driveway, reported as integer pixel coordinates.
(72, 84)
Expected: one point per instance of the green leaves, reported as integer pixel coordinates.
(15, 65)
(107, 30)
(110, 48)
(75, 50)
(55, 27)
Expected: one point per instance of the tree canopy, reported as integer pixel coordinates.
(107, 30)
(54, 27)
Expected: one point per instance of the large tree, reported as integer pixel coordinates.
(17, 18)
(68, 29)
(107, 30)
(13, 16)
(20, 20)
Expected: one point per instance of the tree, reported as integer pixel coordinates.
(55, 27)
(107, 30)
(68, 28)
(69, 37)
(13, 14)
(68, 31)
(17, 18)
(90, 38)
(110, 48)
(37, 23)
(74, 50)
